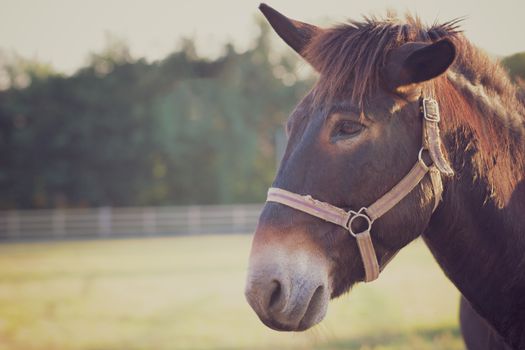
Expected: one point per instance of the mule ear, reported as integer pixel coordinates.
(414, 63)
(296, 34)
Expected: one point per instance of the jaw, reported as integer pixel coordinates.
(342, 289)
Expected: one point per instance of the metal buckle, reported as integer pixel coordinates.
(431, 110)
(359, 214)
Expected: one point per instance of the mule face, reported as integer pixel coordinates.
(347, 154)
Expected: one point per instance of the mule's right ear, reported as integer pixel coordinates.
(296, 34)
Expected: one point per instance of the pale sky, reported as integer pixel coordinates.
(64, 32)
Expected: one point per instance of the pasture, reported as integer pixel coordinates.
(187, 293)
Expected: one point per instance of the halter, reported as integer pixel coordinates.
(431, 143)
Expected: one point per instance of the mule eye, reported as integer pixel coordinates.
(348, 128)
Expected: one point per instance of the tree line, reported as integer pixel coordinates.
(126, 132)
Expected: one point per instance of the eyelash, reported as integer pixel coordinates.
(348, 128)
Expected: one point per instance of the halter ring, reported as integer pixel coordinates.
(420, 158)
(360, 214)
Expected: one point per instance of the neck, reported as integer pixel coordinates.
(480, 248)
(477, 234)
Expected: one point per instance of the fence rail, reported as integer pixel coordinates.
(110, 222)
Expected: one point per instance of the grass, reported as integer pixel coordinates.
(187, 293)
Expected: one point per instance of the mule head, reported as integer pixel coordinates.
(348, 152)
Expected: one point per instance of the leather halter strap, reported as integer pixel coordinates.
(328, 212)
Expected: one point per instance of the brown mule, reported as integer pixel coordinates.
(358, 133)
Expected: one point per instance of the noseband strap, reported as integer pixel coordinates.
(367, 215)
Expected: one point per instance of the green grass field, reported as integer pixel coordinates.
(187, 293)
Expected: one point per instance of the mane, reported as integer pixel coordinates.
(476, 93)
(353, 54)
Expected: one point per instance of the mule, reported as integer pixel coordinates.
(353, 141)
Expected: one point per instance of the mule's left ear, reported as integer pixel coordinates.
(414, 63)
(295, 33)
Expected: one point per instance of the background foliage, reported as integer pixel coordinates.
(122, 131)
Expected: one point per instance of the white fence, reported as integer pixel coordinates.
(112, 222)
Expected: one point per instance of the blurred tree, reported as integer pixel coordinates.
(122, 131)
(515, 64)
(516, 67)
(19, 72)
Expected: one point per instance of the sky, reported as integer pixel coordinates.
(64, 32)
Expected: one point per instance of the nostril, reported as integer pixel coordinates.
(316, 297)
(276, 293)
(314, 309)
